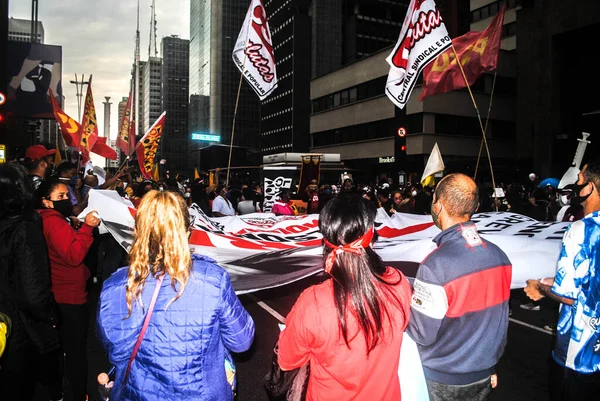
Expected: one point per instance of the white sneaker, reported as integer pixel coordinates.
(530, 306)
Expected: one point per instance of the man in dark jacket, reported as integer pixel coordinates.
(25, 293)
(459, 309)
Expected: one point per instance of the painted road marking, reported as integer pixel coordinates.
(281, 319)
(531, 326)
(266, 307)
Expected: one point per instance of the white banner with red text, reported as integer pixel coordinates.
(263, 251)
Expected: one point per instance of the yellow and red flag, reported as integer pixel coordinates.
(478, 53)
(70, 129)
(57, 156)
(148, 146)
(125, 123)
(156, 173)
(89, 132)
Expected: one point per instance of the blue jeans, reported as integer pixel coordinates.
(478, 391)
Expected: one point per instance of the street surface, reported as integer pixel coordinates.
(522, 371)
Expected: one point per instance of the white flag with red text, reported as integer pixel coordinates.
(253, 52)
(422, 38)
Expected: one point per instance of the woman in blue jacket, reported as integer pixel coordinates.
(197, 320)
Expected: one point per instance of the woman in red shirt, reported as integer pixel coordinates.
(68, 275)
(349, 328)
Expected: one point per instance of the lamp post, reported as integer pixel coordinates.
(79, 93)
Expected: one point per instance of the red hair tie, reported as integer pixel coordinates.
(357, 247)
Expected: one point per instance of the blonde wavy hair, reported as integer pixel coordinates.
(160, 244)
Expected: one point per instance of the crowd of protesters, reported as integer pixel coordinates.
(348, 329)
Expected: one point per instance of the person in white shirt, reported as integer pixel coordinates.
(248, 205)
(221, 206)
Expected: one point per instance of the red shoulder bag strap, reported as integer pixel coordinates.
(144, 327)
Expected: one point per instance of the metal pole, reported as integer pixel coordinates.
(107, 124)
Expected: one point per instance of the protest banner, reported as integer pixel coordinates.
(262, 251)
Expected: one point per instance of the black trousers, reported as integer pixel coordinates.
(73, 338)
(568, 385)
(21, 370)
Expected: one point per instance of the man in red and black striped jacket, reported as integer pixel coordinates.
(459, 309)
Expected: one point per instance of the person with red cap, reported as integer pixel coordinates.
(39, 162)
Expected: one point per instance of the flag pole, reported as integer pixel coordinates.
(234, 116)
(487, 120)
(478, 117)
(237, 100)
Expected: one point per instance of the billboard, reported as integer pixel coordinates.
(32, 69)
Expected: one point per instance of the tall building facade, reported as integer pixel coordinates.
(121, 110)
(151, 94)
(352, 116)
(556, 89)
(19, 30)
(174, 145)
(284, 125)
(214, 80)
(140, 119)
(312, 39)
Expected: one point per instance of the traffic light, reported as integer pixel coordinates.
(1, 117)
(400, 148)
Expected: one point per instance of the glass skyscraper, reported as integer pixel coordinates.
(214, 78)
(174, 146)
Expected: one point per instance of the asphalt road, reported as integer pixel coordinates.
(522, 370)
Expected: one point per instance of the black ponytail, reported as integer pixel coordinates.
(358, 283)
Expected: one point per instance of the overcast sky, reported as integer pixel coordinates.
(98, 37)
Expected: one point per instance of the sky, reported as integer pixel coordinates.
(98, 37)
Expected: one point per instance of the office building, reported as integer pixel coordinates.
(117, 162)
(174, 145)
(284, 125)
(214, 80)
(140, 119)
(557, 85)
(151, 93)
(121, 111)
(352, 116)
(19, 30)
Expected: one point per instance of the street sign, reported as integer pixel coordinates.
(2, 153)
(401, 132)
(206, 137)
(2, 98)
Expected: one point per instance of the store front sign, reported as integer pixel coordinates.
(386, 160)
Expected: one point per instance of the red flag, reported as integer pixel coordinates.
(102, 149)
(89, 132)
(478, 53)
(148, 145)
(70, 129)
(123, 137)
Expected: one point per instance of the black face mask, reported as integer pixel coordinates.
(576, 197)
(63, 207)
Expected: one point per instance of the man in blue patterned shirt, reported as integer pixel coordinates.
(575, 364)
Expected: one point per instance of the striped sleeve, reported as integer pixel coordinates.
(428, 306)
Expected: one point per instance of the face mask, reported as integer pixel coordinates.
(73, 181)
(414, 193)
(576, 189)
(187, 195)
(435, 217)
(564, 199)
(63, 207)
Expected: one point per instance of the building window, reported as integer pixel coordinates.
(491, 9)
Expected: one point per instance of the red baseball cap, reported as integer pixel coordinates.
(38, 152)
